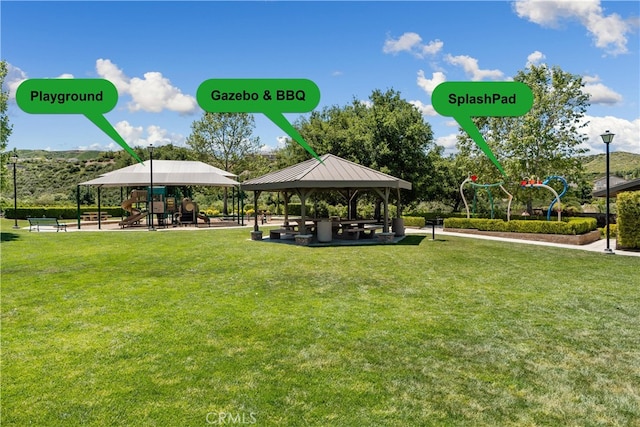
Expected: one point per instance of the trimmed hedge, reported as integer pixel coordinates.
(628, 205)
(413, 221)
(58, 212)
(571, 226)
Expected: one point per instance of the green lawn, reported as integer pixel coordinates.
(192, 328)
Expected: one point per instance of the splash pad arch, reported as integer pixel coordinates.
(472, 181)
(533, 183)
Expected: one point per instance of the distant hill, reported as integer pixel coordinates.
(622, 164)
(60, 155)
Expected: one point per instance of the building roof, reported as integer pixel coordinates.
(332, 173)
(166, 172)
(614, 190)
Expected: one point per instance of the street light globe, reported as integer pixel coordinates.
(607, 137)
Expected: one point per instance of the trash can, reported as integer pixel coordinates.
(397, 225)
(324, 231)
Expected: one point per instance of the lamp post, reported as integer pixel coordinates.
(14, 161)
(607, 137)
(151, 228)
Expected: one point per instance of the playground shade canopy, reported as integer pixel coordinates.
(166, 173)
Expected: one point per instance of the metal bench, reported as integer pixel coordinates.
(46, 222)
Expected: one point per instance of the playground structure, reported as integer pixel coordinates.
(472, 181)
(534, 183)
(159, 208)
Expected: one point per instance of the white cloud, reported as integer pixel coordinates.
(12, 80)
(470, 66)
(131, 134)
(428, 85)
(448, 142)
(65, 76)
(138, 136)
(599, 93)
(609, 32)
(108, 70)
(407, 42)
(432, 47)
(153, 93)
(535, 57)
(426, 110)
(627, 134)
(412, 43)
(337, 73)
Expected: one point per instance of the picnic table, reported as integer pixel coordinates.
(93, 216)
(356, 228)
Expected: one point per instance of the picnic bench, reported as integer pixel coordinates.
(46, 222)
(282, 232)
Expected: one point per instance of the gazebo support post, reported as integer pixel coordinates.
(256, 194)
(353, 204)
(303, 210)
(286, 207)
(256, 234)
(385, 201)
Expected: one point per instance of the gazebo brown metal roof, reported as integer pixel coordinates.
(331, 173)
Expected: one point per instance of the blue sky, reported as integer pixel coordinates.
(158, 53)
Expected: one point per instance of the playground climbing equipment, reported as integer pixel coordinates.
(471, 180)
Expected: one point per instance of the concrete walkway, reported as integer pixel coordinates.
(598, 246)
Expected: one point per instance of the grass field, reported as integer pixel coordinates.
(192, 328)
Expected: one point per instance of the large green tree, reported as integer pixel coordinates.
(5, 126)
(224, 139)
(545, 141)
(385, 133)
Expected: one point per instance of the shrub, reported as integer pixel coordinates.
(613, 230)
(570, 226)
(413, 221)
(628, 220)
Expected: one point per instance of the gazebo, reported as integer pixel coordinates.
(331, 173)
(165, 173)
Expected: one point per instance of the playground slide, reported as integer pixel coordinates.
(204, 218)
(135, 216)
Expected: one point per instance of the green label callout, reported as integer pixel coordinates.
(89, 97)
(464, 100)
(272, 97)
